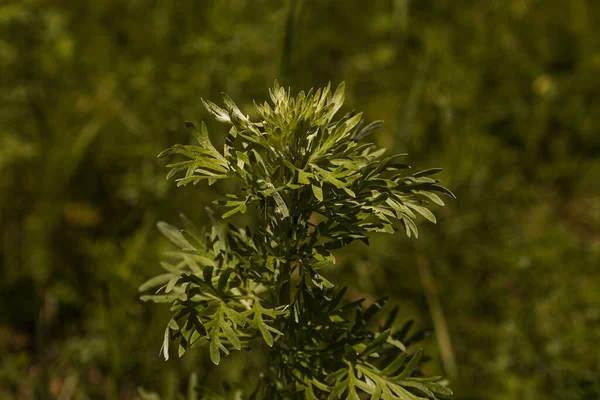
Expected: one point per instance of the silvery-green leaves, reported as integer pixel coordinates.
(213, 288)
(295, 159)
(393, 383)
(317, 188)
(205, 161)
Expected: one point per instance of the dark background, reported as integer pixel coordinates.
(503, 94)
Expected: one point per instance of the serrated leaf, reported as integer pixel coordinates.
(235, 317)
(259, 323)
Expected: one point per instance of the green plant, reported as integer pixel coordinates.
(316, 188)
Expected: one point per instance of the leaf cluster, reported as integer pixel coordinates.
(317, 188)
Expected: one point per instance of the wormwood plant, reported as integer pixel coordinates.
(317, 188)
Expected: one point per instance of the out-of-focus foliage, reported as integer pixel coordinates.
(503, 94)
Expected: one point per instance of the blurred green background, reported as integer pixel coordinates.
(503, 94)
